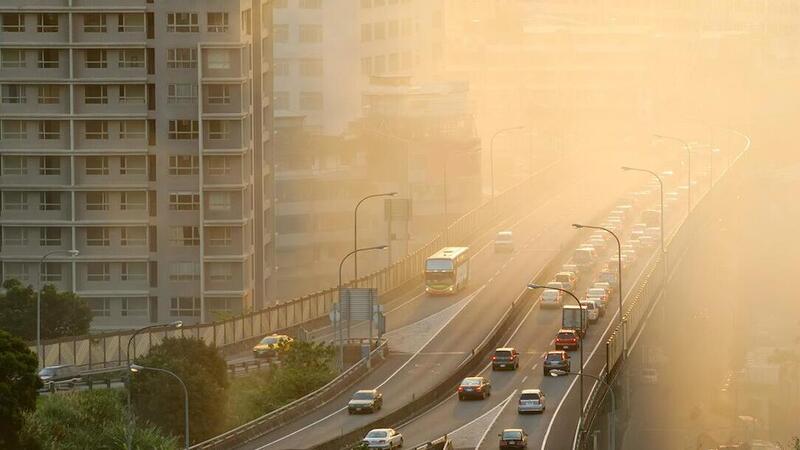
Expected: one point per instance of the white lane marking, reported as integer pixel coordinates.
(534, 366)
(524, 379)
(408, 361)
(491, 424)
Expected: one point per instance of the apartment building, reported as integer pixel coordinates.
(139, 133)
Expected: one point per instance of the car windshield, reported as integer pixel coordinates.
(512, 435)
(362, 396)
(471, 382)
(599, 292)
(47, 371)
(554, 357)
(377, 434)
(503, 354)
(529, 396)
(270, 340)
(550, 294)
(439, 264)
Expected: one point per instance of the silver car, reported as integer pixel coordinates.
(531, 400)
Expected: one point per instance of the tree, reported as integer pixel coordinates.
(18, 384)
(88, 419)
(63, 313)
(159, 398)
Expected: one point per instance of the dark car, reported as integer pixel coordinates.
(369, 400)
(567, 340)
(505, 358)
(556, 360)
(474, 387)
(513, 438)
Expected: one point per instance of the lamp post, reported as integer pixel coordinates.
(342, 313)
(355, 227)
(613, 421)
(533, 286)
(491, 152)
(73, 253)
(661, 188)
(134, 368)
(688, 167)
(619, 259)
(175, 324)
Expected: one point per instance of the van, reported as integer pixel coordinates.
(504, 242)
(584, 256)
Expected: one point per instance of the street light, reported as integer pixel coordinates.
(175, 324)
(661, 187)
(612, 423)
(134, 368)
(688, 167)
(533, 286)
(619, 259)
(355, 227)
(491, 152)
(341, 313)
(72, 253)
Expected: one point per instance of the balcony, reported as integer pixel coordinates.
(111, 171)
(223, 99)
(56, 32)
(222, 63)
(225, 241)
(37, 242)
(38, 100)
(89, 28)
(225, 276)
(128, 99)
(223, 135)
(105, 276)
(36, 207)
(107, 207)
(110, 64)
(28, 67)
(224, 205)
(105, 135)
(223, 170)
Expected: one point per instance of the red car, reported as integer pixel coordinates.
(567, 339)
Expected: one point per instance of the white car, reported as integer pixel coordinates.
(550, 298)
(531, 400)
(592, 310)
(387, 438)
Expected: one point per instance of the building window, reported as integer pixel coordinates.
(97, 165)
(184, 201)
(15, 201)
(217, 22)
(278, 4)
(219, 201)
(184, 306)
(133, 201)
(50, 201)
(218, 130)
(13, 93)
(182, 58)
(219, 94)
(97, 237)
(15, 236)
(280, 67)
(134, 271)
(12, 58)
(47, 23)
(49, 94)
(379, 31)
(131, 129)
(94, 23)
(131, 58)
(48, 58)
(183, 129)
(15, 165)
(246, 22)
(221, 271)
(131, 94)
(219, 165)
(13, 129)
(182, 22)
(311, 4)
(184, 271)
(96, 58)
(311, 101)
(100, 306)
(97, 201)
(132, 165)
(184, 236)
(49, 129)
(366, 66)
(282, 100)
(280, 33)
(310, 34)
(49, 165)
(181, 93)
(219, 59)
(135, 307)
(96, 129)
(133, 237)
(394, 29)
(219, 236)
(184, 165)
(16, 271)
(366, 32)
(51, 272)
(311, 67)
(13, 23)
(95, 94)
(50, 237)
(98, 271)
(130, 23)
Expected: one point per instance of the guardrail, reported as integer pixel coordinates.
(442, 443)
(297, 408)
(109, 349)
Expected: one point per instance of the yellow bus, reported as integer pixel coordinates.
(447, 270)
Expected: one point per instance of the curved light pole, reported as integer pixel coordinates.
(136, 368)
(73, 253)
(533, 286)
(355, 227)
(619, 259)
(612, 423)
(175, 324)
(342, 313)
(661, 188)
(689, 165)
(491, 152)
